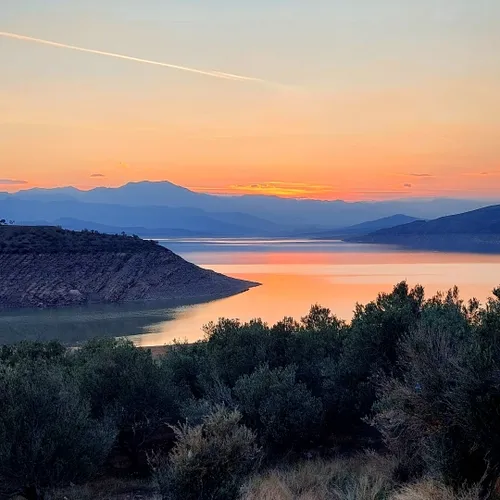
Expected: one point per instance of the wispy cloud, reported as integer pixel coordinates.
(407, 185)
(300, 190)
(417, 174)
(214, 74)
(12, 182)
(97, 175)
(492, 173)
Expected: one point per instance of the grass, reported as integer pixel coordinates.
(431, 490)
(107, 489)
(365, 476)
(362, 477)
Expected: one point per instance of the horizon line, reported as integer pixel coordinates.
(265, 195)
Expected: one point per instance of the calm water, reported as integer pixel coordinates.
(294, 275)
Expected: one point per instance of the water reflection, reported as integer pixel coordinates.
(294, 275)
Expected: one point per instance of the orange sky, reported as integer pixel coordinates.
(401, 101)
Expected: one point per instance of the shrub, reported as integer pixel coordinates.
(317, 340)
(125, 383)
(246, 345)
(283, 411)
(185, 365)
(369, 349)
(52, 351)
(47, 435)
(441, 415)
(209, 461)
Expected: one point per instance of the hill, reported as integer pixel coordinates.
(364, 227)
(474, 231)
(50, 267)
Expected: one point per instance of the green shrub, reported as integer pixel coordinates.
(186, 366)
(282, 410)
(47, 435)
(209, 461)
(369, 349)
(441, 414)
(52, 351)
(318, 339)
(122, 379)
(125, 383)
(247, 345)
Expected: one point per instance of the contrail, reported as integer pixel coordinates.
(214, 74)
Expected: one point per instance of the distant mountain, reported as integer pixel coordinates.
(365, 227)
(143, 232)
(193, 221)
(474, 231)
(292, 214)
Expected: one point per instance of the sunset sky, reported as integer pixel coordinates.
(367, 99)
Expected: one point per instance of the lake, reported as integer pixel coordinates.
(294, 274)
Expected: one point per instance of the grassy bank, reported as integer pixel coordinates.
(257, 411)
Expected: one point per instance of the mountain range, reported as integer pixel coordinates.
(165, 209)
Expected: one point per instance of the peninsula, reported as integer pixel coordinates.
(51, 267)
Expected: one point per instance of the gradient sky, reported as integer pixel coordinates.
(368, 99)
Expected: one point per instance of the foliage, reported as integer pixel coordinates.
(47, 435)
(423, 372)
(283, 411)
(125, 383)
(209, 461)
(53, 352)
(441, 414)
(369, 349)
(52, 240)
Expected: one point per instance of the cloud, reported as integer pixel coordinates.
(275, 188)
(295, 189)
(416, 174)
(407, 185)
(481, 174)
(97, 175)
(213, 74)
(12, 182)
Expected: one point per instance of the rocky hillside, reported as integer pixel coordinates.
(50, 267)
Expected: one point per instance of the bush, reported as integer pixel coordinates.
(125, 383)
(369, 349)
(247, 345)
(209, 461)
(53, 352)
(283, 411)
(441, 414)
(47, 435)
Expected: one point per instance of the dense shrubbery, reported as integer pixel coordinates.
(51, 239)
(282, 410)
(47, 434)
(420, 376)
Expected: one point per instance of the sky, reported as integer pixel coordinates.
(368, 99)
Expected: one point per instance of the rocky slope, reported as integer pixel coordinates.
(50, 267)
